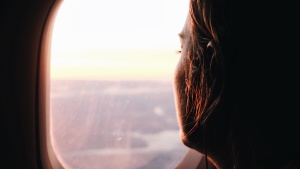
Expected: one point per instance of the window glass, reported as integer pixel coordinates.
(112, 65)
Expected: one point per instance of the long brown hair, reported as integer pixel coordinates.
(205, 71)
(205, 63)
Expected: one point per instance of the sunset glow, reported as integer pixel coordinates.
(117, 39)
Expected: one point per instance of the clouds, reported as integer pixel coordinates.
(164, 141)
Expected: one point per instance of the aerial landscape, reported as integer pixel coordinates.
(125, 124)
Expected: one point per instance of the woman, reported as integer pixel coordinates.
(234, 90)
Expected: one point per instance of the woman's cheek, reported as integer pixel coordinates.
(185, 120)
(179, 93)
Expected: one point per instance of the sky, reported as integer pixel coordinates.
(101, 39)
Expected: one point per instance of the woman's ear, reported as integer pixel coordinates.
(211, 51)
(213, 57)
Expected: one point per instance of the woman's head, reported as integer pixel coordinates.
(200, 78)
(200, 74)
(224, 82)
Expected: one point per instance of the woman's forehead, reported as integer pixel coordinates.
(185, 30)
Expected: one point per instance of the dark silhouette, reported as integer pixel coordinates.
(236, 84)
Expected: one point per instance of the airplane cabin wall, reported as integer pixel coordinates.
(21, 32)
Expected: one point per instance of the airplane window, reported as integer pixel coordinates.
(111, 93)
